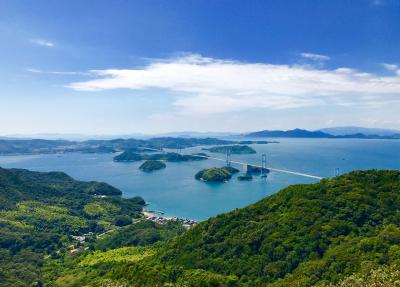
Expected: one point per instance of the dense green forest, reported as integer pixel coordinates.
(303, 234)
(338, 232)
(216, 174)
(152, 165)
(40, 212)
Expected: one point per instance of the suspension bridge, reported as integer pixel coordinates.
(262, 167)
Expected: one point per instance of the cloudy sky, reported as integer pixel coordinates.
(120, 67)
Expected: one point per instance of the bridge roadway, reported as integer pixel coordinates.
(255, 165)
(259, 166)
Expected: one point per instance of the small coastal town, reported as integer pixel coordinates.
(152, 215)
(155, 217)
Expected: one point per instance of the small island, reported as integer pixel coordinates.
(235, 149)
(216, 174)
(231, 170)
(245, 177)
(152, 165)
(256, 170)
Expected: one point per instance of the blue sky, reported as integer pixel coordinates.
(119, 67)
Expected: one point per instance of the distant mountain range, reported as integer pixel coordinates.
(351, 130)
(300, 133)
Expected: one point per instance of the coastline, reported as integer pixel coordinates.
(157, 218)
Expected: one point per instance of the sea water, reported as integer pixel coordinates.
(174, 190)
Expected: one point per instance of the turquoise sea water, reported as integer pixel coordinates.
(175, 191)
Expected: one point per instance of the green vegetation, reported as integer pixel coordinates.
(123, 254)
(39, 212)
(303, 235)
(129, 156)
(231, 170)
(384, 276)
(216, 174)
(235, 149)
(152, 165)
(141, 233)
(339, 232)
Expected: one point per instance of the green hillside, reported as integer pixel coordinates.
(334, 233)
(339, 232)
(40, 212)
(216, 174)
(303, 234)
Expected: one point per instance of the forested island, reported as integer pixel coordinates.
(129, 156)
(216, 174)
(234, 149)
(41, 146)
(152, 165)
(338, 232)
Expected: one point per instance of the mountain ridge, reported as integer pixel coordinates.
(351, 130)
(301, 133)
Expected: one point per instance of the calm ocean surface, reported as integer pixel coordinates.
(175, 191)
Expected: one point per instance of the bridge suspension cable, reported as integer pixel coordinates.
(250, 164)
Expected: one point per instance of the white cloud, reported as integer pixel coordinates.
(391, 67)
(32, 70)
(66, 73)
(211, 86)
(315, 57)
(43, 43)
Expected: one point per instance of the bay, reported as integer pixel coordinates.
(175, 191)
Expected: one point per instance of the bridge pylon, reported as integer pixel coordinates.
(337, 171)
(263, 165)
(228, 156)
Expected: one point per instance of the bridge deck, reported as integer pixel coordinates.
(255, 165)
(270, 168)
